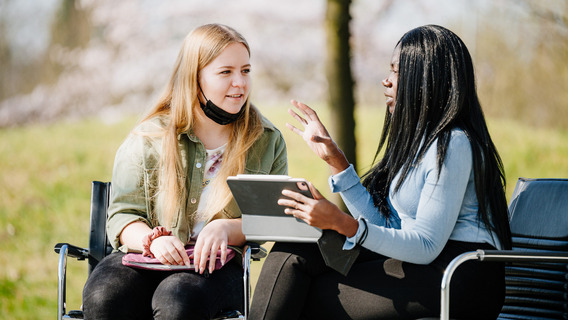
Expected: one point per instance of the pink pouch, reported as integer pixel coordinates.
(136, 260)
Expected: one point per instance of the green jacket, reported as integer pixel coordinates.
(135, 177)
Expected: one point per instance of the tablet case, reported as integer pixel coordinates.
(137, 260)
(264, 220)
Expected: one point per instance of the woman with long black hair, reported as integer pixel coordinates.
(437, 191)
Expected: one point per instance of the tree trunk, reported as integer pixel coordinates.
(340, 80)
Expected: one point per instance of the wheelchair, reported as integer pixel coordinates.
(99, 247)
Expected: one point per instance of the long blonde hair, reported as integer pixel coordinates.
(179, 102)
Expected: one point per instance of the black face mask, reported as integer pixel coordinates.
(217, 114)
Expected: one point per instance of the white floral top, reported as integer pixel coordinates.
(212, 165)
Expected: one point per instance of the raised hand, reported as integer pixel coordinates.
(316, 136)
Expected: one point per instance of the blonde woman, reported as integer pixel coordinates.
(169, 189)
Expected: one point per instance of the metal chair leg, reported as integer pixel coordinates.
(61, 277)
(246, 279)
(445, 299)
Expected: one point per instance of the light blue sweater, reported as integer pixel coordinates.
(426, 211)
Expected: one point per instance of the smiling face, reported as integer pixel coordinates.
(391, 81)
(226, 80)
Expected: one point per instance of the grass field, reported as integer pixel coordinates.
(46, 170)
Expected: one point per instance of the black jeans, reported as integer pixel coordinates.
(295, 284)
(115, 291)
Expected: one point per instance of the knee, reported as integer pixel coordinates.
(112, 290)
(291, 257)
(99, 303)
(172, 301)
(186, 293)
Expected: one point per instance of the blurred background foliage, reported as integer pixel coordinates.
(72, 58)
(75, 75)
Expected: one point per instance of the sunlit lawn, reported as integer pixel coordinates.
(46, 171)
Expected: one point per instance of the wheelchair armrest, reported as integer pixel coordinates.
(73, 251)
(517, 256)
(257, 251)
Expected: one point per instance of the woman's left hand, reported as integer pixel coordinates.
(318, 212)
(214, 237)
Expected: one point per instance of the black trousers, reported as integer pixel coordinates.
(115, 291)
(295, 284)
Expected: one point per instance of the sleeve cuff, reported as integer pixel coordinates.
(344, 180)
(351, 242)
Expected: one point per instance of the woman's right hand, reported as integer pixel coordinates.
(318, 139)
(318, 212)
(169, 250)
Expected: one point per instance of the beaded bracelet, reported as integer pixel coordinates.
(147, 240)
(364, 233)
